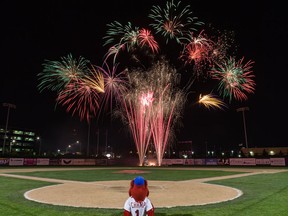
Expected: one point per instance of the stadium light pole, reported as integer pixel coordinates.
(9, 106)
(89, 134)
(88, 139)
(98, 138)
(243, 109)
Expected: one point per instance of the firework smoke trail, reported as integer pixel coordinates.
(211, 101)
(57, 74)
(173, 22)
(236, 78)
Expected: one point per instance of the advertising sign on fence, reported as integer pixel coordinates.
(242, 162)
(42, 161)
(277, 161)
(4, 161)
(30, 161)
(16, 161)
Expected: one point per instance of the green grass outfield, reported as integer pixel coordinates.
(263, 194)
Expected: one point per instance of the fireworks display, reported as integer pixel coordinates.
(128, 38)
(167, 106)
(57, 74)
(152, 107)
(198, 53)
(79, 98)
(115, 84)
(121, 35)
(149, 94)
(173, 22)
(77, 83)
(137, 111)
(145, 38)
(211, 101)
(236, 78)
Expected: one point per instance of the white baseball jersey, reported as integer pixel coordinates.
(137, 208)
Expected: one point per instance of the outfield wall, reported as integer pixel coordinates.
(281, 161)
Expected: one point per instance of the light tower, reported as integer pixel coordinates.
(9, 106)
(243, 109)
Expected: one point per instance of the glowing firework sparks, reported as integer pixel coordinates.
(114, 51)
(125, 37)
(236, 78)
(172, 22)
(77, 85)
(95, 91)
(57, 74)
(79, 98)
(211, 101)
(95, 80)
(115, 84)
(152, 107)
(145, 38)
(137, 109)
(165, 112)
(222, 45)
(149, 101)
(121, 36)
(198, 51)
(167, 106)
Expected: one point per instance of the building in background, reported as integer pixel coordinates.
(19, 142)
(265, 152)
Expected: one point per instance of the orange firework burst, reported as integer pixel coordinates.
(211, 101)
(95, 81)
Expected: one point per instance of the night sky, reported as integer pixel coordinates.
(33, 32)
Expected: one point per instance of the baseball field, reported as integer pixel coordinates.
(174, 191)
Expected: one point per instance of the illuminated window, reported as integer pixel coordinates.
(17, 132)
(29, 133)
